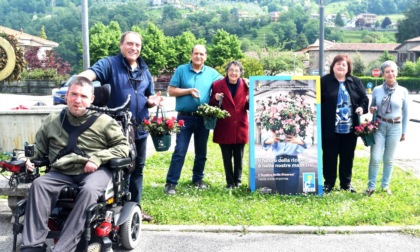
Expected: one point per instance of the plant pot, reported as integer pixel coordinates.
(161, 142)
(210, 122)
(368, 140)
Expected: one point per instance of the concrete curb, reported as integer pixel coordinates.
(280, 229)
(5, 210)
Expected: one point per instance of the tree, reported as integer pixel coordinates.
(386, 22)
(338, 21)
(409, 69)
(170, 13)
(409, 27)
(43, 35)
(275, 61)
(104, 40)
(50, 60)
(386, 56)
(154, 48)
(358, 65)
(224, 46)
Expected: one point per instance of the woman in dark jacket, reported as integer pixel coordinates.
(343, 98)
(231, 133)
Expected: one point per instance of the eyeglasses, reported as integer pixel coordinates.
(234, 71)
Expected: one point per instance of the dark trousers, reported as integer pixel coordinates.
(233, 173)
(136, 177)
(342, 147)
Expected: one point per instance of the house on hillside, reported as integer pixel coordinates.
(26, 41)
(368, 52)
(408, 50)
(369, 18)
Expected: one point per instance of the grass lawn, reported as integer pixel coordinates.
(218, 206)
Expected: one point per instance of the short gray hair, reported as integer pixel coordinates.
(235, 63)
(388, 63)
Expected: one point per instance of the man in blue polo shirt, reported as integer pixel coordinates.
(191, 84)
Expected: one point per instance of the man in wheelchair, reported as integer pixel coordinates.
(78, 143)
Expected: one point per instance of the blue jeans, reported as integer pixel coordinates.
(386, 140)
(136, 177)
(192, 125)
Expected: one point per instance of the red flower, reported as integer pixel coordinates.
(181, 123)
(170, 124)
(146, 122)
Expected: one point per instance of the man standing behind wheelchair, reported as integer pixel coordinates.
(127, 73)
(96, 145)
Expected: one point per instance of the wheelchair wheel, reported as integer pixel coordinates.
(130, 230)
(94, 247)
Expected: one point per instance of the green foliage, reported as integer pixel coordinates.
(252, 67)
(358, 65)
(338, 21)
(218, 206)
(154, 48)
(41, 74)
(206, 110)
(411, 83)
(104, 40)
(386, 56)
(408, 27)
(224, 46)
(275, 61)
(409, 69)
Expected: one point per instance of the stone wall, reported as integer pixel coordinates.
(33, 87)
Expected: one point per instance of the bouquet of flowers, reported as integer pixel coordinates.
(210, 111)
(158, 126)
(366, 130)
(284, 115)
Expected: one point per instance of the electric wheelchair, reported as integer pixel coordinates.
(113, 220)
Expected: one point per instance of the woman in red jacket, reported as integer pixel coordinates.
(231, 133)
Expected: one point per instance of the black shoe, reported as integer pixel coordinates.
(237, 185)
(369, 192)
(349, 188)
(327, 188)
(230, 186)
(200, 185)
(170, 189)
(146, 217)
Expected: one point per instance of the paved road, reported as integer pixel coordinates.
(157, 238)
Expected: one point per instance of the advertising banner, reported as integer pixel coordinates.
(285, 135)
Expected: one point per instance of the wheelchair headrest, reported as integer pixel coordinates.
(102, 94)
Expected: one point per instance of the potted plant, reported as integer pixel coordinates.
(160, 129)
(367, 129)
(211, 114)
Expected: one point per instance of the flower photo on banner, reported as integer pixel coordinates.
(284, 115)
